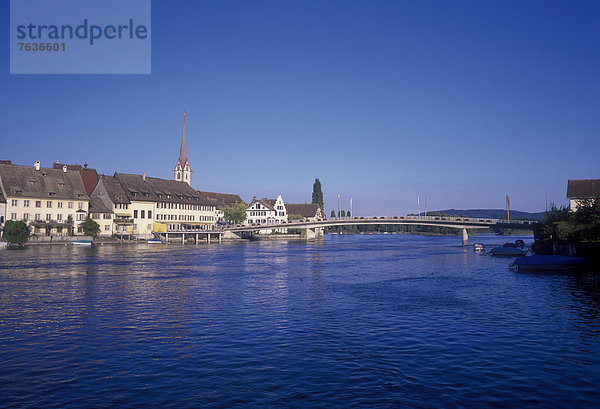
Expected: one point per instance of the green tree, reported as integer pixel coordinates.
(16, 231)
(343, 213)
(333, 213)
(235, 214)
(90, 227)
(348, 213)
(317, 194)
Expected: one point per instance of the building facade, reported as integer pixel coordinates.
(581, 189)
(266, 211)
(51, 201)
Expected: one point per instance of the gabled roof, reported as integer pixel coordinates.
(114, 190)
(90, 179)
(26, 181)
(304, 210)
(98, 206)
(268, 203)
(583, 188)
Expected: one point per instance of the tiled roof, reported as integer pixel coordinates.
(98, 206)
(304, 210)
(268, 203)
(222, 199)
(25, 181)
(149, 189)
(582, 188)
(113, 189)
(90, 179)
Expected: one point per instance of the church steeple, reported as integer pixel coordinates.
(183, 171)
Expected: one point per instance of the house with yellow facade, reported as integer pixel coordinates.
(53, 202)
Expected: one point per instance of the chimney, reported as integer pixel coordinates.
(144, 176)
(37, 165)
(65, 168)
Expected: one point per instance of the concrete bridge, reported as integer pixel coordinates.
(314, 228)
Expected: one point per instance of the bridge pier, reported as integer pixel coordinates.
(465, 237)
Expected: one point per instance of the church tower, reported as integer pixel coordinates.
(183, 172)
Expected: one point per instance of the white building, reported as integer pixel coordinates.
(266, 211)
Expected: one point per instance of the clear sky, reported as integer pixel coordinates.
(460, 101)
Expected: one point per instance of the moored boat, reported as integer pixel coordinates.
(478, 247)
(154, 241)
(547, 263)
(82, 242)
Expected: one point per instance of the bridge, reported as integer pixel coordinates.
(314, 227)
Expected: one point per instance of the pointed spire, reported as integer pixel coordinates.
(183, 159)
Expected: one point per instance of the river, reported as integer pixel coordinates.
(349, 321)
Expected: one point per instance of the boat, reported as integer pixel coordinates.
(3, 244)
(508, 251)
(82, 242)
(15, 246)
(154, 241)
(547, 263)
(478, 247)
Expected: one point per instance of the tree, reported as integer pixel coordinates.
(16, 231)
(348, 213)
(90, 227)
(317, 194)
(235, 214)
(333, 213)
(343, 213)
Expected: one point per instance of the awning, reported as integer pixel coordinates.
(123, 214)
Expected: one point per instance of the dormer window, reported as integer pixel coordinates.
(51, 193)
(31, 182)
(62, 184)
(134, 194)
(79, 194)
(18, 192)
(44, 174)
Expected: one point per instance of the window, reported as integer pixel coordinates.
(48, 217)
(26, 203)
(59, 217)
(79, 229)
(107, 227)
(135, 214)
(149, 214)
(38, 203)
(80, 205)
(135, 227)
(59, 205)
(143, 214)
(149, 226)
(106, 216)
(48, 204)
(80, 217)
(14, 202)
(26, 216)
(95, 216)
(13, 216)
(38, 216)
(70, 205)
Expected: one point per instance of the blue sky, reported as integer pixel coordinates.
(460, 101)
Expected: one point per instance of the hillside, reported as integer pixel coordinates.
(490, 213)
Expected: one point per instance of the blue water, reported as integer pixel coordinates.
(352, 321)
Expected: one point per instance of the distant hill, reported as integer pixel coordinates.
(490, 213)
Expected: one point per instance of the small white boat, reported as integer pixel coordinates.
(478, 247)
(82, 242)
(154, 241)
(3, 244)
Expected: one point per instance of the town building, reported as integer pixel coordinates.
(109, 203)
(51, 201)
(308, 211)
(581, 189)
(266, 211)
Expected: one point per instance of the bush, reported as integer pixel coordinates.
(16, 231)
